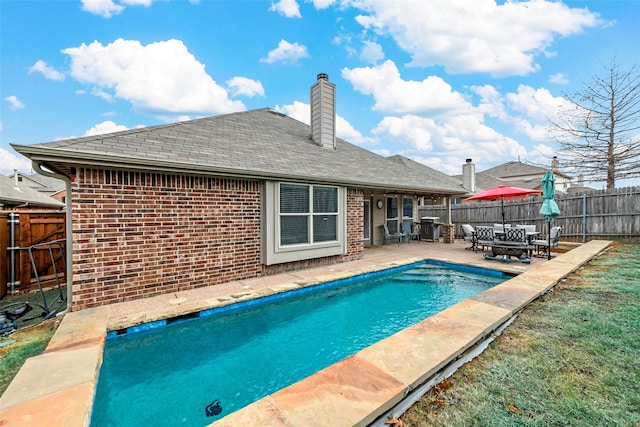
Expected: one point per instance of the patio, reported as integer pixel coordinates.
(56, 388)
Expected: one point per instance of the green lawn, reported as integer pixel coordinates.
(572, 359)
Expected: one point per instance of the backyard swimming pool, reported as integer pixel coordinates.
(195, 371)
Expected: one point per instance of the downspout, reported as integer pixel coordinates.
(69, 231)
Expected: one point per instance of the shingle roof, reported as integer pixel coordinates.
(12, 196)
(259, 143)
(434, 177)
(514, 169)
(41, 183)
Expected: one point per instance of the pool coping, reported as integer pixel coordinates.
(57, 387)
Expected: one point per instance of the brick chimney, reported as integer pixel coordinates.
(323, 112)
(469, 176)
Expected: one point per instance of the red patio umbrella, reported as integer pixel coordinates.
(502, 191)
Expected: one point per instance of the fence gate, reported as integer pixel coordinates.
(31, 250)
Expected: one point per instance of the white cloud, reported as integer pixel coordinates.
(102, 94)
(429, 119)
(47, 71)
(287, 53)
(371, 52)
(161, 77)
(413, 129)
(450, 137)
(105, 127)
(287, 8)
(475, 35)
(393, 94)
(302, 112)
(109, 8)
(532, 109)
(14, 102)
(245, 86)
(145, 3)
(10, 161)
(491, 101)
(558, 78)
(104, 8)
(322, 4)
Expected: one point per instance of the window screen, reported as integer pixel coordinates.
(308, 214)
(294, 198)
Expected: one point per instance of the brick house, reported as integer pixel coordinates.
(197, 203)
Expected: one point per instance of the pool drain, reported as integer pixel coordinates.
(214, 408)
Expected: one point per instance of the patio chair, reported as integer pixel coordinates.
(543, 244)
(484, 236)
(516, 236)
(470, 236)
(530, 228)
(406, 230)
(389, 236)
(500, 228)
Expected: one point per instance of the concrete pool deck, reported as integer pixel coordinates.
(57, 387)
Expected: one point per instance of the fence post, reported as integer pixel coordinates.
(584, 217)
(24, 261)
(14, 219)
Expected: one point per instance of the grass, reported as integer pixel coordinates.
(31, 341)
(20, 346)
(571, 359)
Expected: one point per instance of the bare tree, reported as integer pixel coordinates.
(599, 130)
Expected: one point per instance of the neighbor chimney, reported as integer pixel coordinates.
(555, 164)
(469, 176)
(15, 178)
(323, 112)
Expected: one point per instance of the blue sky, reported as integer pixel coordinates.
(437, 81)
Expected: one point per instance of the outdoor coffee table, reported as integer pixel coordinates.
(504, 250)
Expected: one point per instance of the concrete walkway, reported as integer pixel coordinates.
(57, 387)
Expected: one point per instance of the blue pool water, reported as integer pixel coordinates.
(193, 372)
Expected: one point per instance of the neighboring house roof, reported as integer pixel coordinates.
(515, 169)
(513, 173)
(483, 181)
(261, 144)
(433, 176)
(41, 183)
(10, 195)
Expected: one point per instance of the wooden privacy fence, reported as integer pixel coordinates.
(601, 214)
(32, 231)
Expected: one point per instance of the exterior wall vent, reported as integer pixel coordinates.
(323, 112)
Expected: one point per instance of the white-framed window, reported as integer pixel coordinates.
(308, 214)
(303, 221)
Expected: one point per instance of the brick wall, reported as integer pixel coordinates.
(355, 224)
(143, 234)
(139, 234)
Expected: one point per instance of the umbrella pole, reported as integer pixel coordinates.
(502, 201)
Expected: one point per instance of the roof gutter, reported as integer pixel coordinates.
(49, 155)
(37, 166)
